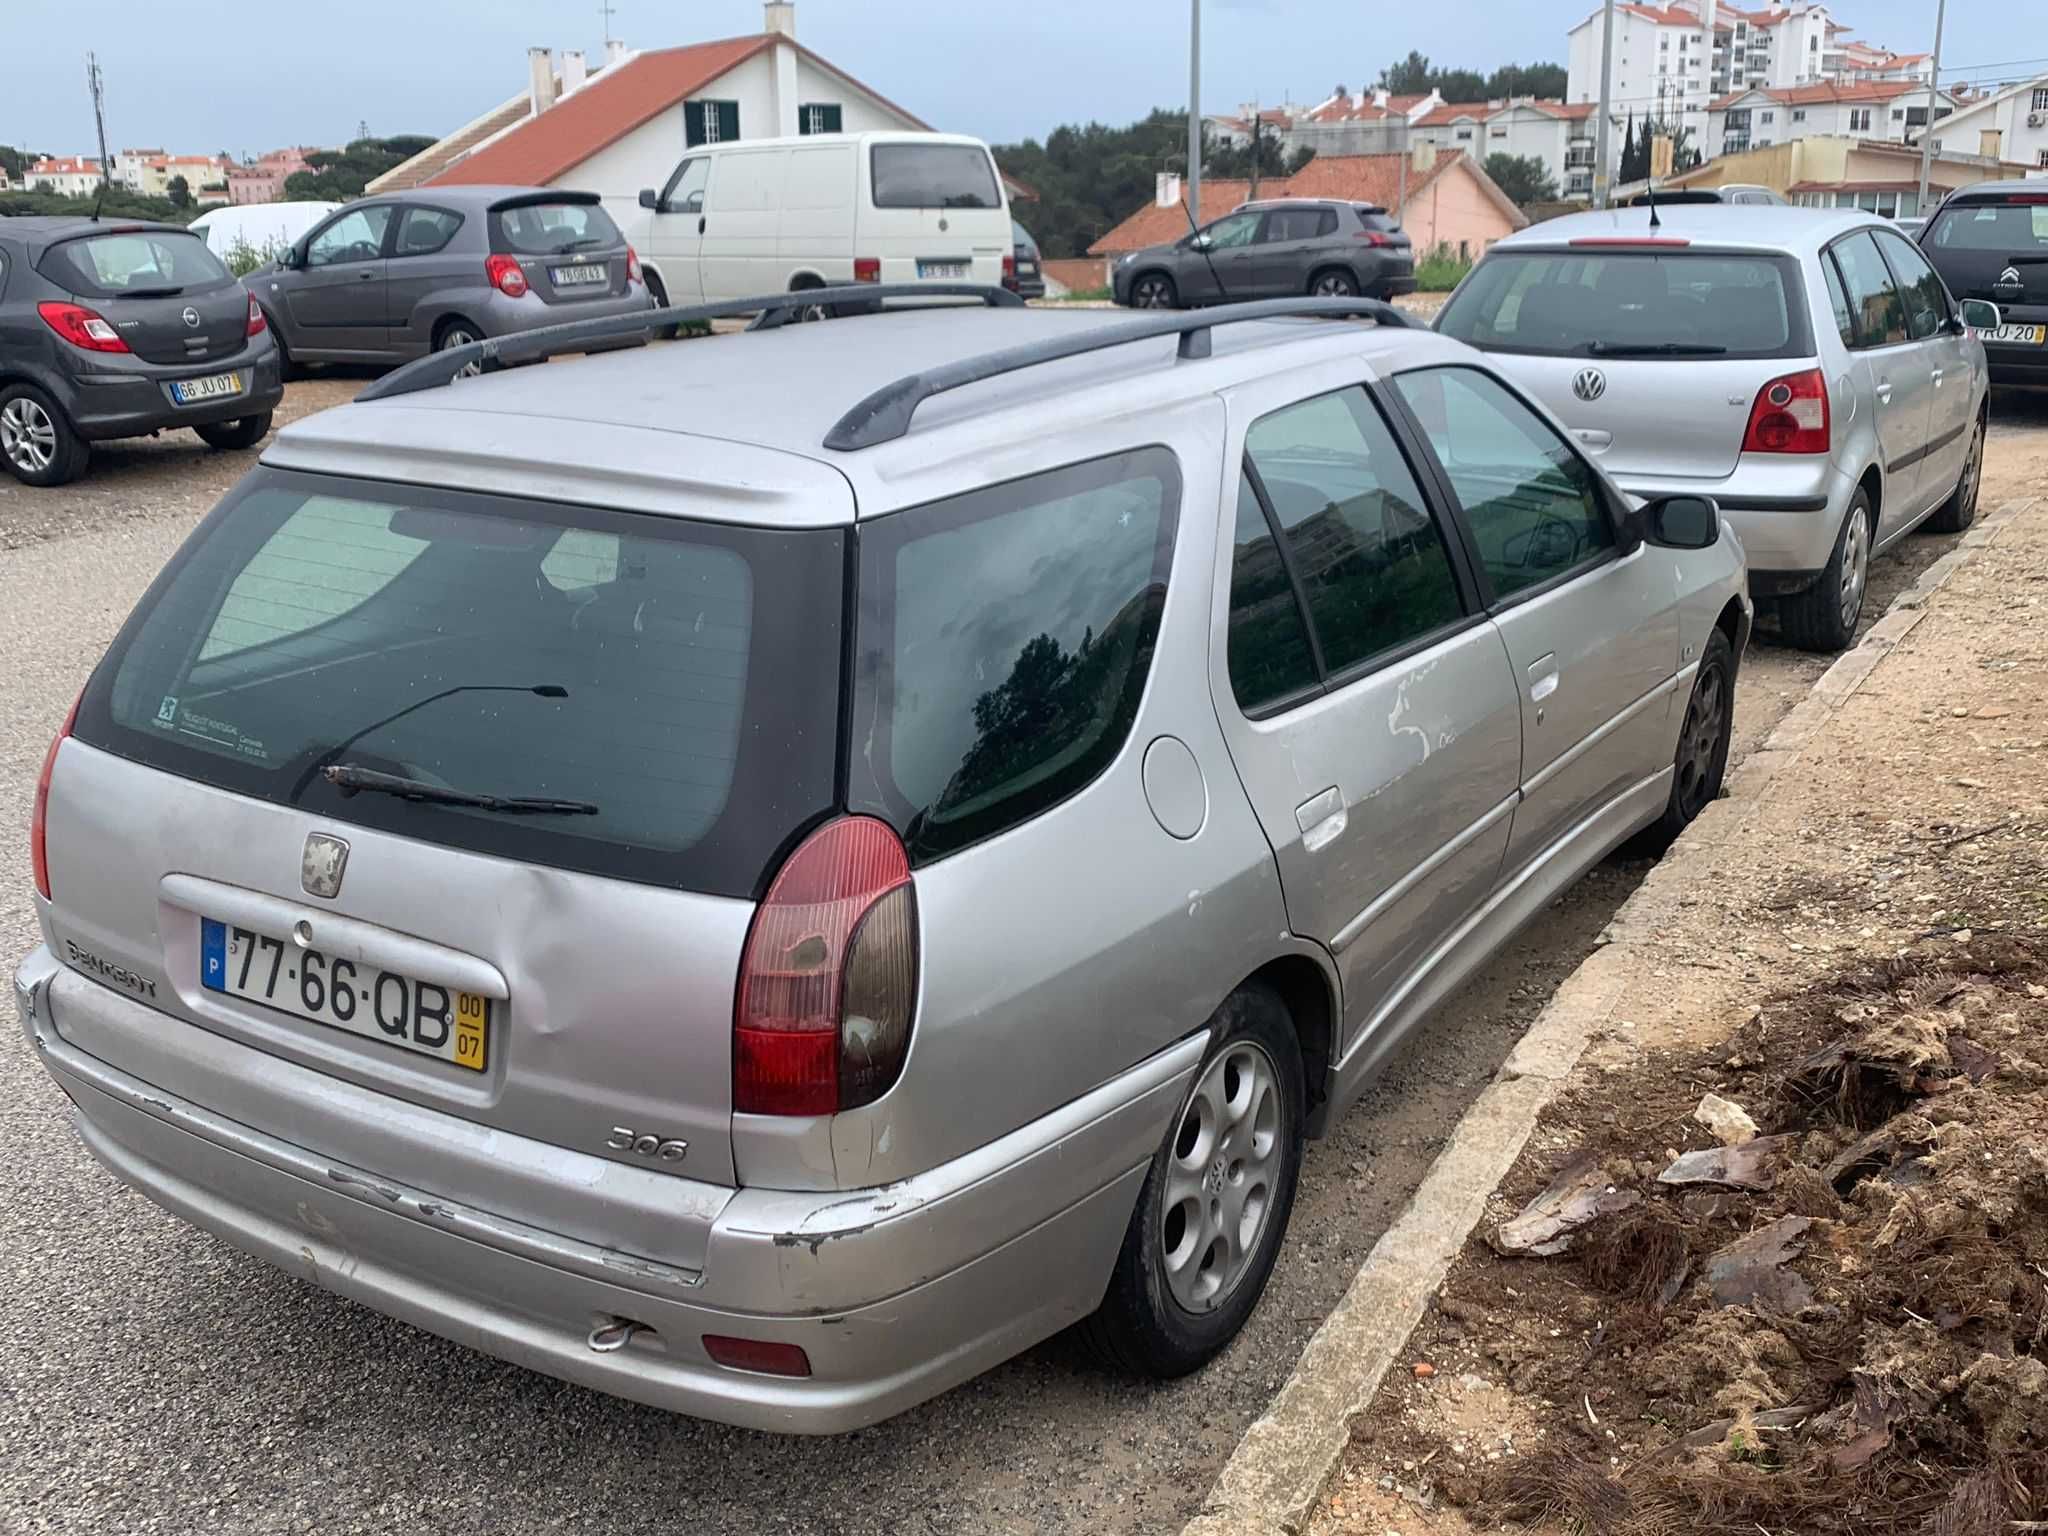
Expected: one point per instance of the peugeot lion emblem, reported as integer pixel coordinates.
(1589, 384)
(191, 316)
(321, 865)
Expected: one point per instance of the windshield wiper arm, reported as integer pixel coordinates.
(152, 293)
(1653, 349)
(350, 780)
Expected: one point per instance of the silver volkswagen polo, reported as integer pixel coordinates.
(694, 881)
(1806, 368)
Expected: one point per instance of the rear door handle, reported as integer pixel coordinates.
(1543, 677)
(1937, 378)
(1884, 391)
(1321, 818)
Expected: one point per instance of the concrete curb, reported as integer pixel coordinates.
(1281, 1467)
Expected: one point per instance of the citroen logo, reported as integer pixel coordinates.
(322, 864)
(191, 317)
(1589, 384)
(2009, 278)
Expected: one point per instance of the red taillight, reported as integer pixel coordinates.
(505, 275)
(1372, 237)
(257, 324)
(757, 1355)
(38, 826)
(1010, 271)
(828, 984)
(867, 269)
(632, 265)
(81, 326)
(1791, 416)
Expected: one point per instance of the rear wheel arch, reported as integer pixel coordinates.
(807, 279)
(1309, 996)
(1341, 268)
(1873, 487)
(449, 322)
(1733, 623)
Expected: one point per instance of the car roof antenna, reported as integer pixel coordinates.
(1655, 222)
(1214, 276)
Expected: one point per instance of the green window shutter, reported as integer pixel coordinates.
(819, 117)
(728, 121)
(693, 124)
(710, 122)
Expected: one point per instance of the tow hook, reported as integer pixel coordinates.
(614, 1335)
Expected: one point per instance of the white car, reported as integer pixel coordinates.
(265, 228)
(823, 210)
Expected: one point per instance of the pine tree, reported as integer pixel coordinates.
(1628, 151)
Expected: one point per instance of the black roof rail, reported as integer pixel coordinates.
(770, 310)
(885, 415)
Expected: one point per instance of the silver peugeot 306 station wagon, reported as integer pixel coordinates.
(765, 876)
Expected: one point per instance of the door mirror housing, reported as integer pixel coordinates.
(1198, 242)
(1982, 315)
(1679, 522)
(294, 256)
(649, 198)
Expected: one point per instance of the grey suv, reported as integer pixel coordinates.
(1268, 249)
(389, 279)
(773, 927)
(114, 329)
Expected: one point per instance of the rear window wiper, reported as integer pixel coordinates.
(1653, 349)
(149, 293)
(350, 780)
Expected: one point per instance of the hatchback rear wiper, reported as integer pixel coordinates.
(1653, 349)
(151, 293)
(350, 779)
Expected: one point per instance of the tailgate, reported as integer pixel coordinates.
(1676, 418)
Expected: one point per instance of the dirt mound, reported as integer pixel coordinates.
(1838, 1325)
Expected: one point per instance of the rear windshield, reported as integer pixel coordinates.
(548, 229)
(681, 676)
(2007, 229)
(1005, 638)
(934, 176)
(153, 260)
(1623, 303)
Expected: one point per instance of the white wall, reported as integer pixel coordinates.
(2008, 114)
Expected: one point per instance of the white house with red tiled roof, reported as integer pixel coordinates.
(1894, 110)
(2010, 125)
(67, 175)
(1559, 134)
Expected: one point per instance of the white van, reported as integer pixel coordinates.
(774, 215)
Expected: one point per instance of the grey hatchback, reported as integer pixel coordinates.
(773, 927)
(120, 330)
(390, 279)
(1266, 250)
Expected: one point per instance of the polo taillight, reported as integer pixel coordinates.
(1791, 416)
(828, 983)
(38, 826)
(505, 274)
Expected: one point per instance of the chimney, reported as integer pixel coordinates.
(575, 70)
(779, 16)
(540, 88)
(1166, 189)
(614, 53)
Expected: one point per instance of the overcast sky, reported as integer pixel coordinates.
(204, 75)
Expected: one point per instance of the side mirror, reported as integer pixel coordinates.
(649, 198)
(1680, 522)
(1982, 315)
(1199, 242)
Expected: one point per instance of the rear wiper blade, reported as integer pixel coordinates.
(150, 293)
(1653, 349)
(350, 780)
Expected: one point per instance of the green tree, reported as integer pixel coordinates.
(1410, 77)
(1628, 150)
(17, 161)
(1460, 84)
(179, 191)
(1523, 178)
(1541, 80)
(336, 175)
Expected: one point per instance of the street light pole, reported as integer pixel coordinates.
(1195, 110)
(1933, 93)
(1603, 153)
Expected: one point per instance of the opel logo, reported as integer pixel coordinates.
(322, 864)
(1589, 384)
(191, 316)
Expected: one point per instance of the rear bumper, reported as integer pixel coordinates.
(501, 315)
(107, 403)
(894, 1294)
(1786, 512)
(2017, 367)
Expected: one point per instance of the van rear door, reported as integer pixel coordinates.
(933, 210)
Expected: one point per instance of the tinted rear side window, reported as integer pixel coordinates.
(1589, 304)
(108, 266)
(934, 176)
(1874, 299)
(691, 672)
(1004, 641)
(549, 229)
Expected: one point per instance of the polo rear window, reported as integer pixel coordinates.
(681, 677)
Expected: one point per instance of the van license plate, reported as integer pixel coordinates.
(218, 387)
(418, 1016)
(2019, 335)
(570, 277)
(946, 269)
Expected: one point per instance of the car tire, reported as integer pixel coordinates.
(1333, 283)
(1701, 763)
(287, 369)
(1155, 290)
(812, 312)
(1960, 510)
(231, 436)
(459, 333)
(1823, 618)
(660, 297)
(38, 444)
(1182, 1288)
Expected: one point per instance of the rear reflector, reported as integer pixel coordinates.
(1791, 415)
(828, 983)
(757, 1355)
(1627, 242)
(867, 269)
(38, 825)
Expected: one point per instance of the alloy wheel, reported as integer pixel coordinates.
(1152, 294)
(1973, 474)
(1334, 285)
(27, 435)
(458, 337)
(1222, 1175)
(1700, 742)
(1855, 568)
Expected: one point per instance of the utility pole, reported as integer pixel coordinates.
(1195, 109)
(1255, 152)
(607, 11)
(99, 117)
(1603, 147)
(1933, 93)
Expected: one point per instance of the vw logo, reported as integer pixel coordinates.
(191, 316)
(1589, 384)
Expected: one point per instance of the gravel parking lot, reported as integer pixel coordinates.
(153, 1379)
